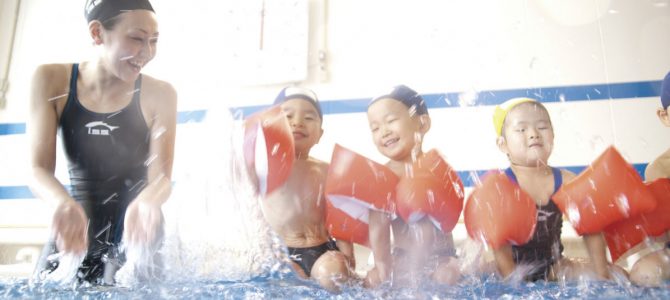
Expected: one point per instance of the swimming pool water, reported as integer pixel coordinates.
(290, 287)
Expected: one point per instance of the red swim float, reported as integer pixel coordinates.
(355, 185)
(498, 212)
(626, 234)
(600, 195)
(268, 148)
(432, 189)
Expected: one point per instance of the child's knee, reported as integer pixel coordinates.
(447, 272)
(331, 270)
(650, 271)
(331, 265)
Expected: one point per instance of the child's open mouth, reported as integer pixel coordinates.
(299, 135)
(391, 142)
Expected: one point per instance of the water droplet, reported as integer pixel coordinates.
(623, 205)
(573, 213)
(468, 98)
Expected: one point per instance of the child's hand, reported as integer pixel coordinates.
(372, 279)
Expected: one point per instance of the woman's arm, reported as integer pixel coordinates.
(144, 217)
(69, 219)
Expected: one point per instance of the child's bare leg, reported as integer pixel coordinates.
(447, 271)
(298, 270)
(570, 269)
(652, 269)
(578, 268)
(331, 270)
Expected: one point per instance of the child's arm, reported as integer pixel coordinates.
(654, 171)
(595, 245)
(347, 249)
(380, 242)
(504, 260)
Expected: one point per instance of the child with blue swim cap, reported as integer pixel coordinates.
(420, 249)
(654, 268)
(296, 210)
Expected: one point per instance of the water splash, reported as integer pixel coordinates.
(65, 274)
(214, 225)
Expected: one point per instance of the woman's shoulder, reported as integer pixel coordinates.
(159, 96)
(52, 72)
(158, 87)
(49, 81)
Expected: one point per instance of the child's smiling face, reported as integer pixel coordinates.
(395, 131)
(304, 122)
(528, 136)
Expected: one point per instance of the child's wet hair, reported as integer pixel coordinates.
(289, 93)
(665, 91)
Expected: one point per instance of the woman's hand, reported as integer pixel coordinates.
(70, 227)
(143, 223)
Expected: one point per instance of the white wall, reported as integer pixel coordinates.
(434, 46)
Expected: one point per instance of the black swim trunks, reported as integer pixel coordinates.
(306, 257)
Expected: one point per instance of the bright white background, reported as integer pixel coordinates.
(353, 49)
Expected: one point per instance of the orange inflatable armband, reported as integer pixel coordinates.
(355, 185)
(432, 189)
(346, 227)
(626, 234)
(608, 191)
(268, 149)
(498, 212)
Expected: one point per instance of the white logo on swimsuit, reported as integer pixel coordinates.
(100, 128)
(543, 215)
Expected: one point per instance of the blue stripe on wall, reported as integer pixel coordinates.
(640, 89)
(468, 178)
(12, 128)
(15, 192)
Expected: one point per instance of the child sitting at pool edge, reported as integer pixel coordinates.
(652, 269)
(398, 122)
(296, 210)
(526, 136)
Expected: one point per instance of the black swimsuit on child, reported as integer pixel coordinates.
(545, 247)
(306, 257)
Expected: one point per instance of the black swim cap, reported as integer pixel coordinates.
(103, 10)
(407, 96)
(665, 91)
(289, 93)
